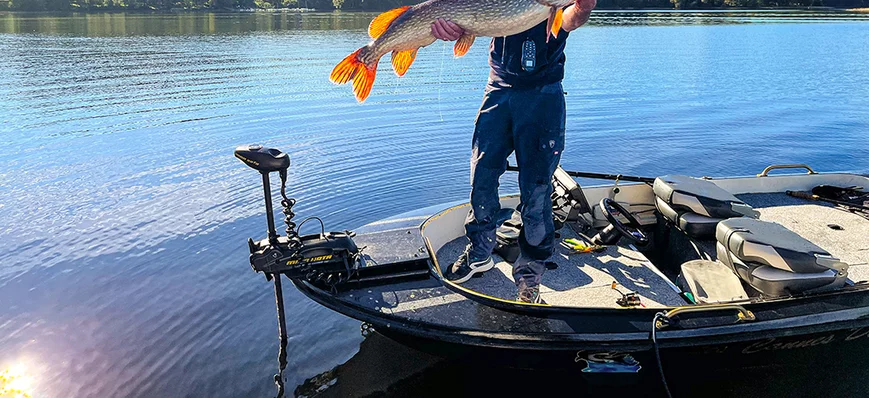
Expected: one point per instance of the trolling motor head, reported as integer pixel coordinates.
(262, 159)
(265, 160)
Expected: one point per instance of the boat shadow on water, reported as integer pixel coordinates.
(384, 367)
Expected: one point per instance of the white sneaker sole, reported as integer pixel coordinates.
(489, 264)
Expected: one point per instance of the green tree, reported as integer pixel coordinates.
(28, 5)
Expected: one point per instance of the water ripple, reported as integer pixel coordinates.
(123, 215)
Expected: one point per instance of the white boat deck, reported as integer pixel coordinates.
(581, 280)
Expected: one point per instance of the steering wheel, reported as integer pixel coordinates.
(631, 230)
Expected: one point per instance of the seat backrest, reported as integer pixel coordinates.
(698, 196)
(767, 243)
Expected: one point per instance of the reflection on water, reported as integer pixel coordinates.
(15, 383)
(127, 24)
(383, 367)
(123, 215)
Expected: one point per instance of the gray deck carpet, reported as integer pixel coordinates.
(810, 220)
(581, 280)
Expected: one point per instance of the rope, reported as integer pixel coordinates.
(659, 315)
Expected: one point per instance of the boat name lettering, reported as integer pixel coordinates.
(857, 333)
(772, 344)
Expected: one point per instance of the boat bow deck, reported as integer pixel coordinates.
(581, 280)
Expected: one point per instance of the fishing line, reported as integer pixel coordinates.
(440, 81)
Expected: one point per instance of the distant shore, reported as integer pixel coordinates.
(314, 10)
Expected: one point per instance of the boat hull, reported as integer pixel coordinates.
(785, 366)
(784, 336)
(771, 343)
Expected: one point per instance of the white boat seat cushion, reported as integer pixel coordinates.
(775, 260)
(696, 206)
(711, 282)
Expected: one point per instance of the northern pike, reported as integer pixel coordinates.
(402, 31)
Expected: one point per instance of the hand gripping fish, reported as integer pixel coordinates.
(404, 30)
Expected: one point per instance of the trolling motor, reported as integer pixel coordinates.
(327, 258)
(324, 259)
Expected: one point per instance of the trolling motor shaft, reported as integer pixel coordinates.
(325, 259)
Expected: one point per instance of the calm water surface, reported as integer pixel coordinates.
(123, 216)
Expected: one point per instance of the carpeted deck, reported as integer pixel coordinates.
(811, 220)
(581, 280)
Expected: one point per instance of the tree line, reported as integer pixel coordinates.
(378, 5)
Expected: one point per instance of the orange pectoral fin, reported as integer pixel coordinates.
(401, 61)
(556, 22)
(380, 23)
(463, 44)
(553, 24)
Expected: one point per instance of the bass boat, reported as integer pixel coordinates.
(652, 276)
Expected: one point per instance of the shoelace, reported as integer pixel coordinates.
(529, 295)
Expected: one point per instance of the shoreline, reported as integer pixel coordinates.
(312, 10)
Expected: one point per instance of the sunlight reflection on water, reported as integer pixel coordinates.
(15, 382)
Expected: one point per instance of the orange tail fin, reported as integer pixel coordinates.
(351, 68)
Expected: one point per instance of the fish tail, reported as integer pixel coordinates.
(362, 75)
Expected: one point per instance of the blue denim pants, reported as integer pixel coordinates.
(529, 122)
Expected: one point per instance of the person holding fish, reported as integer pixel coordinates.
(522, 112)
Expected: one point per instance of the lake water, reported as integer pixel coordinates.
(123, 215)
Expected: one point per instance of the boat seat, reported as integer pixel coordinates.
(711, 282)
(775, 260)
(696, 206)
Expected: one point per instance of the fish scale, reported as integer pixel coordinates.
(403, 31)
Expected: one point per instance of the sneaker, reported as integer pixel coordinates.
(465, 267)
(529, 295)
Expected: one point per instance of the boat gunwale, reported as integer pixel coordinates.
(804, 324)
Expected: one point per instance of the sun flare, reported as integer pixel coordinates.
(15, 383)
